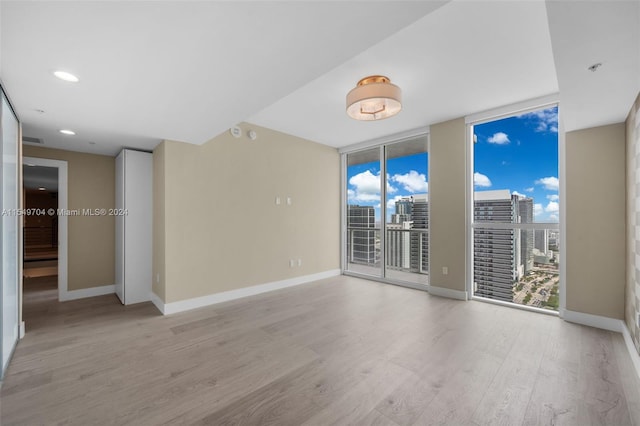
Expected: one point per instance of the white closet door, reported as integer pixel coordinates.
(120, 249)
(138, 188)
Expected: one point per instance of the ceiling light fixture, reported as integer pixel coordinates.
(42, 188)
(374, 98)
(66, 76)
(67, 132)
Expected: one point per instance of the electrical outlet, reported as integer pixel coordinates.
(158, 278)
(445, 270)
(289, 201)
(277, 201)
(292, 263)
(299, 262)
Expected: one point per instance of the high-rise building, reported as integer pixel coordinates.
(542, 240)
(404, 206)
(525, 209)
(496, 252)
(406, 249)
(362, 234)
(420, 240)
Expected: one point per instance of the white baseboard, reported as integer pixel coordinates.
(157, 301)
(596, 321)
(212, 299)
(22, 330)
(87, 292)
(447, 292)
(633, 352)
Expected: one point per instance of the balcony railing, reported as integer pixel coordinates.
(406, 253)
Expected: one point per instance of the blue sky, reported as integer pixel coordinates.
(521, 154)
(517, 153)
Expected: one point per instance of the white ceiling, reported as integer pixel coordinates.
(463, 58)
(586, 33)
(187, 71)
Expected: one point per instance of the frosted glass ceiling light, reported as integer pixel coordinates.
(374, 98)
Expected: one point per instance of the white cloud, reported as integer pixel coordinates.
(553, 197)
(552, 207)
(537, 209)
(499, 138)
(366, 182)
(551, 183)
(366, 187)
(530, 189)
(546, 120)
(518, 194)
(359, 197)
(481, 180)
(413, 181)
(553, 218)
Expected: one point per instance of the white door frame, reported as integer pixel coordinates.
(62, 218)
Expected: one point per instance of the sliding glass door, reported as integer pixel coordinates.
(387, 212)
(363, 211)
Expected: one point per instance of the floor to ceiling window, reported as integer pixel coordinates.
(516, 207)
(9, 230)
(387, 212)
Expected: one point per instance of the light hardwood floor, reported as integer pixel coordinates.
(338, 351)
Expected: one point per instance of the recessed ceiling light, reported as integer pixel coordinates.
(67, 132)
(63, 75)
(42, 188)
(40, 111)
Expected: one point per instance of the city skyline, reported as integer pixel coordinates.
(518, 153)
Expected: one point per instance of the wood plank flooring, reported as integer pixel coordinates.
(338, 351)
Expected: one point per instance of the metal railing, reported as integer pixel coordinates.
(407, 250)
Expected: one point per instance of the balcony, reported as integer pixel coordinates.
(407, 253)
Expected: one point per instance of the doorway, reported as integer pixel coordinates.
(40, 231)
(44, 229)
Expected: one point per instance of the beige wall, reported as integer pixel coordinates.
(222, 228)
(159, 221)
(91, 239)
(632, 289)
(447, 201)
(595, 197)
